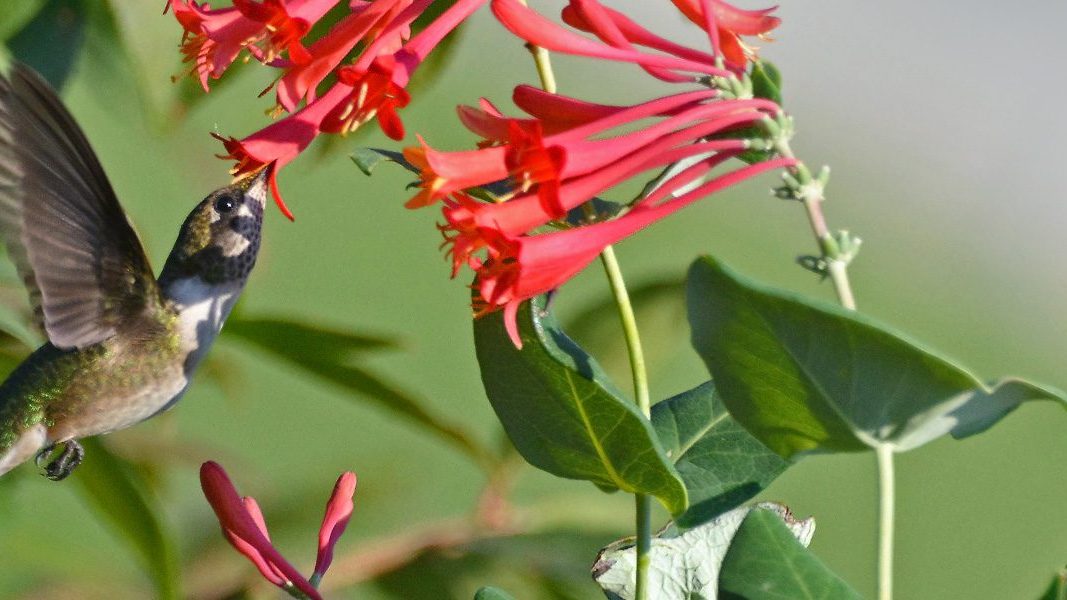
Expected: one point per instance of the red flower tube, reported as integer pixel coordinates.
(378, 81)
(518, 269)
(243, 532)
(338, 512)
(472, 225)
(530, 158)
(281, 142)
(215, 37)
(327, 53)
(534, 28)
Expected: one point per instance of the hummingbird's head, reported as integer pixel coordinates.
(220, 239)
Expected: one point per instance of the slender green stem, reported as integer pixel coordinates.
(643, 513)
(885, 521)
(837, 268)
(544, 65)
(629, 329)
(643, 508)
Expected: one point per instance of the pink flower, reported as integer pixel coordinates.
(244, 527)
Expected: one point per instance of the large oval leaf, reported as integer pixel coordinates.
(562, 413)
(810, 376)
(720, 462)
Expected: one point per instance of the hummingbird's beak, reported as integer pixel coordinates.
(260, 182)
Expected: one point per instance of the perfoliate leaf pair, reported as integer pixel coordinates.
(805, 376)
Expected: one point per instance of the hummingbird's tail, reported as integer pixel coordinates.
(26, 447)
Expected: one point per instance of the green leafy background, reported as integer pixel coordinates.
(954, 188)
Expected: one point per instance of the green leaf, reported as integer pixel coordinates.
(1057, 590)
(562, 413)
(14, 14)
(329, 353)
(767, 562)
(767, 81)
(687, 565)
(720, 462)
(119, 493)
(368, 158)
(492, 593)
(51, 41)
(809, 376)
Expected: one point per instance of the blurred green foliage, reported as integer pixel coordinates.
(980, 519)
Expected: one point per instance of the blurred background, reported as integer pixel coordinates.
(943, 124)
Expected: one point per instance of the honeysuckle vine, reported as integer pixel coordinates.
(517, 210)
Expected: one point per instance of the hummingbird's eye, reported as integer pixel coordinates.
(225, 204)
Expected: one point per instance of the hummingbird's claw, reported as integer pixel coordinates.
(65, 463)
(43, 455)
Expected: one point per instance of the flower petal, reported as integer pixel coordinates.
(338, 512)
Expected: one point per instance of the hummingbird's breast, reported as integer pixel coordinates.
(201, 309)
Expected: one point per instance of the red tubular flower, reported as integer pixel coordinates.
(557, 112)
(245, 534)
(281, 142)
(378, 91)
(326, 53)
(534, 28)
(529, 158)
(444, 173)
(246, 530)
(378, 80)
(632, 32)
(214, 38)
(338, 512)
(519, 268)
(471, 225)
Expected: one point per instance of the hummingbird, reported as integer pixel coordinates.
(122, 345)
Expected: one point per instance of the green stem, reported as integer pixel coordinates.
(885, 521)
(643, 508)
(629, 329)
(544, 65)
(643, 513)
(837, 269)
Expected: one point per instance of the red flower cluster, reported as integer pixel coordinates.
(567, 151)
(273, 31)
(244, 527)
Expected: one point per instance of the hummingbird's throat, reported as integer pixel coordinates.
(202, 309)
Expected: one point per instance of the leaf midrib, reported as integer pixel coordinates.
(597, 447)
(683, 449)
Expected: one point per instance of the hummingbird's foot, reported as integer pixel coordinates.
(65, 463)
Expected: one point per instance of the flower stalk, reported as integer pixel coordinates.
(634, 350)
(636, 354)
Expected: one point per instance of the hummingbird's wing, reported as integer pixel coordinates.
(76, 251)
